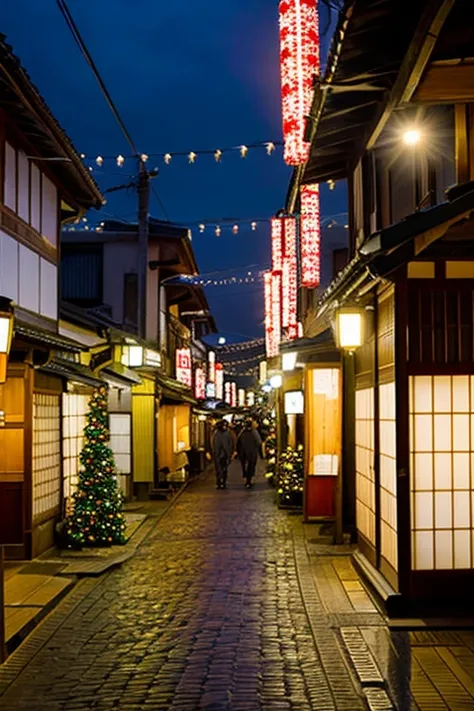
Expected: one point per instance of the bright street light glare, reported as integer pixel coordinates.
(222, 341)
(411, 137)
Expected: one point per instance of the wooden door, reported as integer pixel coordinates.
(15, 463)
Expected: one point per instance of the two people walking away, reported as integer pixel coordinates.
(249, 447)
(223, 450)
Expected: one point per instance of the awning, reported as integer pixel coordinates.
(47, 338)
(118, 374)
(313, 350)
(72, 371)
(173, 391)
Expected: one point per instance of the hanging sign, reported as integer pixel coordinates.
(184, 373)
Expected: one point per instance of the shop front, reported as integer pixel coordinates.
(32, 440)
(311, 402)
(174, 429)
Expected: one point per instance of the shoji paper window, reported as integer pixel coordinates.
(388, 474)
(46, 455)
(365, 479)
(75, 409)
(442, 471)
(120, 442)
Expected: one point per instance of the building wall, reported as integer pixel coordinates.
(119, 259)
(27, 278)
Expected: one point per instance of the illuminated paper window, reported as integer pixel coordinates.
(46, 455)
(322, 409)
(75, 409)
(388, 474)
(365, 476)
(442, 471)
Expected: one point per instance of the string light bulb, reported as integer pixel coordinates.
(243, 151)
(253, 226)
(201, 228)
(235, 229)
(218, 155)
(270, 148)
(167, 158)
(331, 184)
(218, 231)
(90, 169)
(83, 155)
(120, 160)
(143, 157)
(192, 157)
(99, 160)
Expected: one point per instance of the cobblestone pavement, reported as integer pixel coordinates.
(208, 615)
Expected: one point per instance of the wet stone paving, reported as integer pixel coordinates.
(227, 606)
(207, 615)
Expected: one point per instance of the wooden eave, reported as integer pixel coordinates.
(25, 107)
(378, 55)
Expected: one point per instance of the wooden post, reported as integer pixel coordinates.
(3, 648)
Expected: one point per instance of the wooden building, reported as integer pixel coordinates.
(100, 274)
(394, 118)
(43, 183)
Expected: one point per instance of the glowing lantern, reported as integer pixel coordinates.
(310, 236)
(290, 277)
(200, 384)
(184, 366)
(277, 244)
(299, 63)
(219, 381)
(276, 313)
(267, 280)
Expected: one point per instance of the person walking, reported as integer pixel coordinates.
(223, 449)
(249, 447)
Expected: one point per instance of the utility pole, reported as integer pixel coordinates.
(143, 228)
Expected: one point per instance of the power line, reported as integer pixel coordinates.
(160, 201)
(87, 56)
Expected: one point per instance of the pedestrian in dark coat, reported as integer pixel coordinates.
(248, 448)
(222, 449)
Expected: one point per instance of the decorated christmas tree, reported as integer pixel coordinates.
(96, 518)
(291, 477)
(271, 456)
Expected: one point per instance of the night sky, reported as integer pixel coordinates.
(185, 76)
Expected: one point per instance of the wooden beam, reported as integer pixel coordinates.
(461, 136)
(414, 64)
(447, 84)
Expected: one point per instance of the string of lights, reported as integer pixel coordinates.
(191, 155)
(242, 346)
(220, 225)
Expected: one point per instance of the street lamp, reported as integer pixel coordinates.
(276, 381)
(411, 137)
(349, 327)
(6, 334)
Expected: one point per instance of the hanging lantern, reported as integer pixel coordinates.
(277, 247)
(290, 277)
(299, 64)
(310, 236)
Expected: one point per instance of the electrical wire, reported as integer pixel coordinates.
(87, 56)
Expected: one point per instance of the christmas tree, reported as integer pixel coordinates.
(96, 519)
(291, 477)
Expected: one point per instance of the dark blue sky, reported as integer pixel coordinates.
(185, 76)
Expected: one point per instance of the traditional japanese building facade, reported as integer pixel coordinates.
(99, 273)
(43, 184)
(401, 133)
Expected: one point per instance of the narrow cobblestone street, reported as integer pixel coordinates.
(207, 615)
